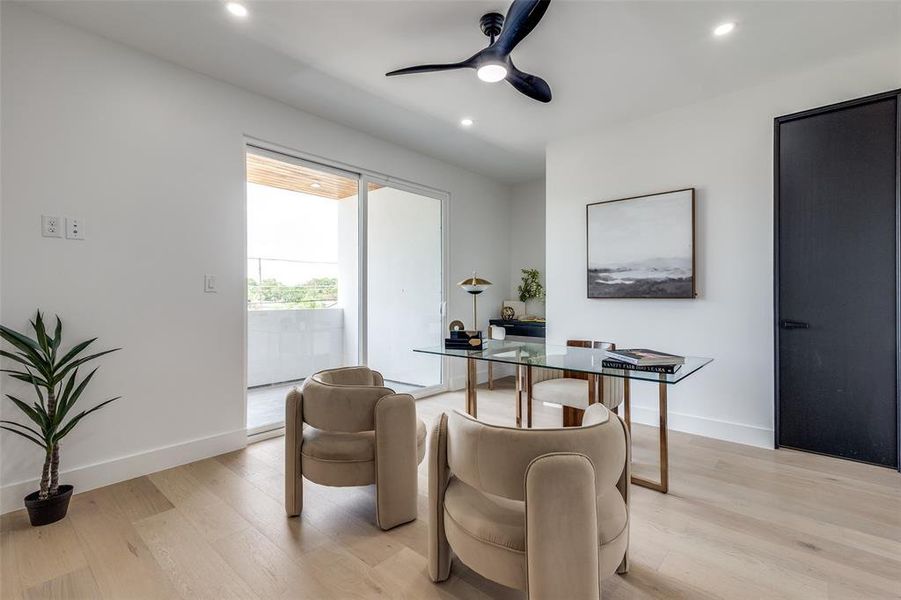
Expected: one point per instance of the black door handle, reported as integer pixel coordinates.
(786, 324)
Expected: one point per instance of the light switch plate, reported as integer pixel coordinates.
(209, 284)
(51, 226)
(74, 228)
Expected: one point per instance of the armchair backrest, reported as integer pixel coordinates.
(343, 399)
(494, 459)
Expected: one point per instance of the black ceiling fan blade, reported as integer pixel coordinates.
(532, 86)
(469, 63)
(521, 19)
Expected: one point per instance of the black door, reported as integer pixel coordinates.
(837, 192)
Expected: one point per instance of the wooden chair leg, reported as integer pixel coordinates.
(572, 417)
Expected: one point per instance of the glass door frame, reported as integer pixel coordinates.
(363, 177)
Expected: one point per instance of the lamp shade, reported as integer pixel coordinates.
(474, 284)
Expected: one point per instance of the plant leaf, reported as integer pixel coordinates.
(25, 435)
(74, 351)
(71, 397)
(57, 338)
(19, 357)
(25, 427)
(62, 373)
(41, 333)
(23, 343)
(26, 377)
(63, 397)
(31, 413)
(74, 420)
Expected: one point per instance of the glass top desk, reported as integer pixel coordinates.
(574, 360)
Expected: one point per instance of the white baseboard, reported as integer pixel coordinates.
(89, 477)
(739, 433)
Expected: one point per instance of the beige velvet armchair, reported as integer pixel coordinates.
(345, 428)
(540, 510)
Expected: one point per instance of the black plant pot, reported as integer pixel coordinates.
(51, 510)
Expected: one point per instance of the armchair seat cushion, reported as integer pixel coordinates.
(491, 530)
(345, 459)
(338, 446)
(493, 519)
(562, 390)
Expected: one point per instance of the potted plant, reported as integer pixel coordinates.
(54, 376)
(530, 288)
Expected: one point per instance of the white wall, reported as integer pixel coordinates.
(722, 147)
(527, 238)
(152, 156)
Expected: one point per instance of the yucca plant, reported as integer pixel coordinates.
(54, 377)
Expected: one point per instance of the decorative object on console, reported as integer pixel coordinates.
(497, 332)
(519, 328)
(507, 313)
(519, 308)
(457, 325)
(642, 247)
(54, 377)
(474, 285)
(464, 340)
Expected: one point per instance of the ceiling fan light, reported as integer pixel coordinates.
(237, 9)
(492, 72)
(724, 29)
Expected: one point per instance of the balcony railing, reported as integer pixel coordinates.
(278, 283)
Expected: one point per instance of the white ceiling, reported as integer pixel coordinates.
(605, 61)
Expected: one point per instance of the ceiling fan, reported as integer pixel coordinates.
(493, 63)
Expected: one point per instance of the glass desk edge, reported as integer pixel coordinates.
(697, 363)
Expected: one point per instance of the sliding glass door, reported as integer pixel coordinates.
(343, 268)
(303, 292)
(404, 285)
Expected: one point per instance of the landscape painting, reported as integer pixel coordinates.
(642, 247)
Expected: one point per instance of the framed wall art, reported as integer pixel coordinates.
(642, 247)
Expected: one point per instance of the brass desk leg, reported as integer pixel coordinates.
(471, 383)
(663, 484)
(529, 396)
(490, 375)
(519, 395)
(627, 403)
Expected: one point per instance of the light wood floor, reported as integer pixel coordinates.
(739, 522)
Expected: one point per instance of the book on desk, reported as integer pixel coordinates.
(642, 359)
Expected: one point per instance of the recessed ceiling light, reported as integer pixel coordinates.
(723, 29)
(237, 9)
(466, 122)
(315, 185)
(492, 72)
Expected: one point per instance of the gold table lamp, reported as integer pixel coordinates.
(475, 286)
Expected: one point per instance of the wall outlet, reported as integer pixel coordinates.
(74, 228)
(209, 284)
(51, 226)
